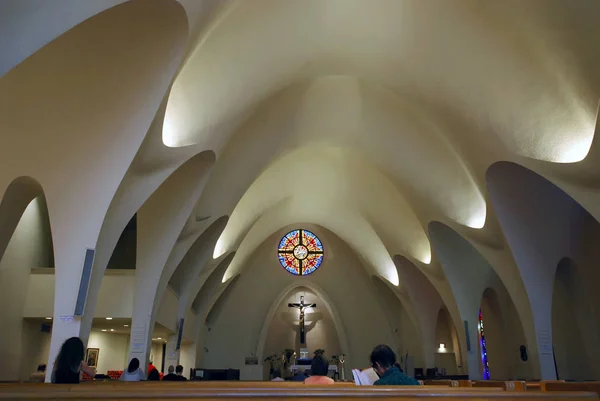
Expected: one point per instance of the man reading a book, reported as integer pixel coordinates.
(383, 361)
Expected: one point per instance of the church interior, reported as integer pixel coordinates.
(154, 163)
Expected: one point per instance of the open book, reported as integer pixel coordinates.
(365, 377)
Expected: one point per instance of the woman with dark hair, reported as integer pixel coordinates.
(154, 375)
(69, 363)
(133, 372)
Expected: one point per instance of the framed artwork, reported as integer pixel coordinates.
(91, 357)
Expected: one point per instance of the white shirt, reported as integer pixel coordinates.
(136, 376)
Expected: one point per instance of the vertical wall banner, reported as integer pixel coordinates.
(545, 342)
(179, 334)
(84, 284)
(138, 338)
(467, 336)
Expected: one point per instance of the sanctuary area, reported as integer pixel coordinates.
(342, 192)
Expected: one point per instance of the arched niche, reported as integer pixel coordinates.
(327, 305)
(447, 356)
(283, 331)
(25, 246)
(572, 345)
(504, 337)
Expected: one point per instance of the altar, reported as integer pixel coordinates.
(297, 368)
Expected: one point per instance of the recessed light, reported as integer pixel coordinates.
(125, 325)
(112, 329)
(109, 318)
(48, 318)
(104, 330)
(159, 338)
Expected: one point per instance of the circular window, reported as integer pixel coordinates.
(300, 252)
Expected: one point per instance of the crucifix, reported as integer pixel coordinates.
(302, 306)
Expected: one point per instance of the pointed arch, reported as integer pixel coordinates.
(542, 225)
(282, 295)
(18, 195)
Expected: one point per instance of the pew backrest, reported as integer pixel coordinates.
(570, 386)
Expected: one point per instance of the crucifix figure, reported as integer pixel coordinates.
(302, 306)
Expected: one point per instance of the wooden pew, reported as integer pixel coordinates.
(570, 386)
(215, 391)
(409, 393)
(449, 383)
(506, 385)
(536, 386)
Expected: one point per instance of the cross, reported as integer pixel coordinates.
(302, 306)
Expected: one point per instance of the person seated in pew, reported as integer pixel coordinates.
(179, 373)
(175, 377)
(154, 375)
(383, 361)
(69, 363)
(40, 375)
(133, 372)
(319, 368)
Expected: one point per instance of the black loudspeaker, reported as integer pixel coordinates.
(523, 350)
(84, 284)
(467, 336)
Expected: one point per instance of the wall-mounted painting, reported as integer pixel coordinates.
(91, 357)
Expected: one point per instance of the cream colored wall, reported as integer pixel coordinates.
(35, 348)
(156, 355)
(113, 350)
(341, 277)
(29, 247)
(187, 358)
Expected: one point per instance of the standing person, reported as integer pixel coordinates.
(383, 361)
(69, 363)
(40, 375)
(133, 372)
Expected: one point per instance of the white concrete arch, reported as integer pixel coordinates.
(354, 229)
(15, 199)
(260, 346)
(540, 222)
(460, 259)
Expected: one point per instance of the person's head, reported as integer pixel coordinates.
(134, 364)
(276, 373)
(41, 367)
(70, 355)
(319, 366)
(154, 375)
(382, 359)
(179, 370)
(171, 369)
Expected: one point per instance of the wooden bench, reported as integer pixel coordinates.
(570, 386)
(506, 385)
(173, 391)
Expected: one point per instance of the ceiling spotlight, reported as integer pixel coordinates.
(48, 318)
(104, 330)
(112, 329)
(109, 318)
